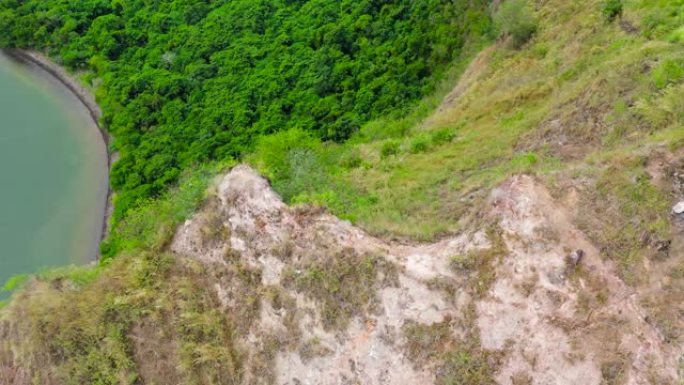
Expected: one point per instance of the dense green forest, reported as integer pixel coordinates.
(182, 82)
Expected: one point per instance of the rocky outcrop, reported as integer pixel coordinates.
(335, 305)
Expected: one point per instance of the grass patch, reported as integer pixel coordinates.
(14, 283)
(459, 361)
(78, 333)
(390, 147)
(668, 72)
(420, 143)
(478, 265)
(628, 214)
(344, 284)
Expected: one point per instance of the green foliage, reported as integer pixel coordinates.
(389, 147)
(442, 136)
(611, 9)
(292, 160)
(351, 159)
(668, 72)
(515, 19)
(14, 283)
(286, 153)
(420, 143)
(186, 82)
(662, 18)
(150, 225)
(302, 169)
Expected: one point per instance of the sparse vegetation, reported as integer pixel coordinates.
(312, 349)
(425, 343)
(213, 230)
(613, 373)
(479, 264)
(460, 361)
(632, 215)
(344, 283)
(467, 365)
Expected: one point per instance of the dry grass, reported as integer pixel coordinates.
(212, 229)
(479, 265)
(105, 331)
(458, 361)
(312, 349)
(344, 283)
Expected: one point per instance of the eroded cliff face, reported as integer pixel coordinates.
(318, 301)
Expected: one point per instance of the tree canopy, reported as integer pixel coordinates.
(182, 81)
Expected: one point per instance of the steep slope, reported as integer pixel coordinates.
(313, 300)
(350, 306)
(541, 183)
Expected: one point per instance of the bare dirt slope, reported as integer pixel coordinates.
(498, 304)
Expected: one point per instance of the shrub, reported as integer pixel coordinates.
(351, 159)
(444, 135)
(420, 144)
(276, 154)
(390, 147)
(612, 9)
(676, 36)
(515, 19)
(668, 72)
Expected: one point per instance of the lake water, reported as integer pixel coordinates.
(53, 173)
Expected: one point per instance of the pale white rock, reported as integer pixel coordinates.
(678, 208)
(529, 313)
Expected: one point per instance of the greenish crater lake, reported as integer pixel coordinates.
(53, 170)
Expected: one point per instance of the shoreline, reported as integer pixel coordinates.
(87, 99)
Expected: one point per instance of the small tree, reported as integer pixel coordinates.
(612, 9)
(515, 19)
